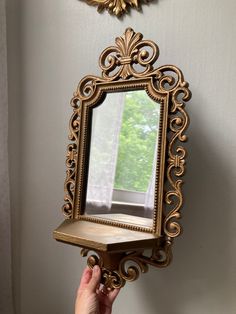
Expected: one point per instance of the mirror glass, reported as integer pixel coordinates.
(122, 160)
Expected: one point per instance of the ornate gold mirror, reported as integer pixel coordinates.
(125, 164)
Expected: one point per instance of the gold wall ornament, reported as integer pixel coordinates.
(114, 7)
(121, 239)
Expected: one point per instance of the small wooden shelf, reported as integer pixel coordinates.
(102, 237)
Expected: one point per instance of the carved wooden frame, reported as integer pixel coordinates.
(166, 85)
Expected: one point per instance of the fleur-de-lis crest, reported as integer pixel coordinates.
(118, 61)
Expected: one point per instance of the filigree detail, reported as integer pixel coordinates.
(176, 160)
(132, 272)
(132, 57)
(69, 187)
(118, 61)
(114, 7)
(71, 159)
(117, 64)
(110, 278)
(71, 155)
(136, 262)
(169, 78)
(129, 65)
(162, 253)
(87, 86)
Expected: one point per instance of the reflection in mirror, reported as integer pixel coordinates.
(124, 139)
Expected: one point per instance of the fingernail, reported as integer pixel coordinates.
(96, 268)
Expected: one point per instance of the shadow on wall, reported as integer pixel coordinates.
(200, 269)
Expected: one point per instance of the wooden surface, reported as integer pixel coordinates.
(102, 237)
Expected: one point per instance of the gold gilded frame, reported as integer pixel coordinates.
(89, 102)
(114, 7)
(128, 65)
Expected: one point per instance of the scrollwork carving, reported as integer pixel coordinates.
(110, 278)
(129, 65)
(176, 160)
(71, 159)
(132, 272)
(69, 187)
(130, 49)
(136, 262)
(117, 62)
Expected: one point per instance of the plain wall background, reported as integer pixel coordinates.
(51, 46)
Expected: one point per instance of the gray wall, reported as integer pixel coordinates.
(51, 46)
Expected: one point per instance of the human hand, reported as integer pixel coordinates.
(93, 298)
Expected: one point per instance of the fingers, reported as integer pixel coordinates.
(86, 276)
(91, 280)
(113, 294)
(107, 295)
(95, 280)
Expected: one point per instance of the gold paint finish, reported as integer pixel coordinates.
(128, 65)
(114, 7)
(103, 237)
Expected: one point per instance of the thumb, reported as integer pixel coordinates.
(95, 280)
